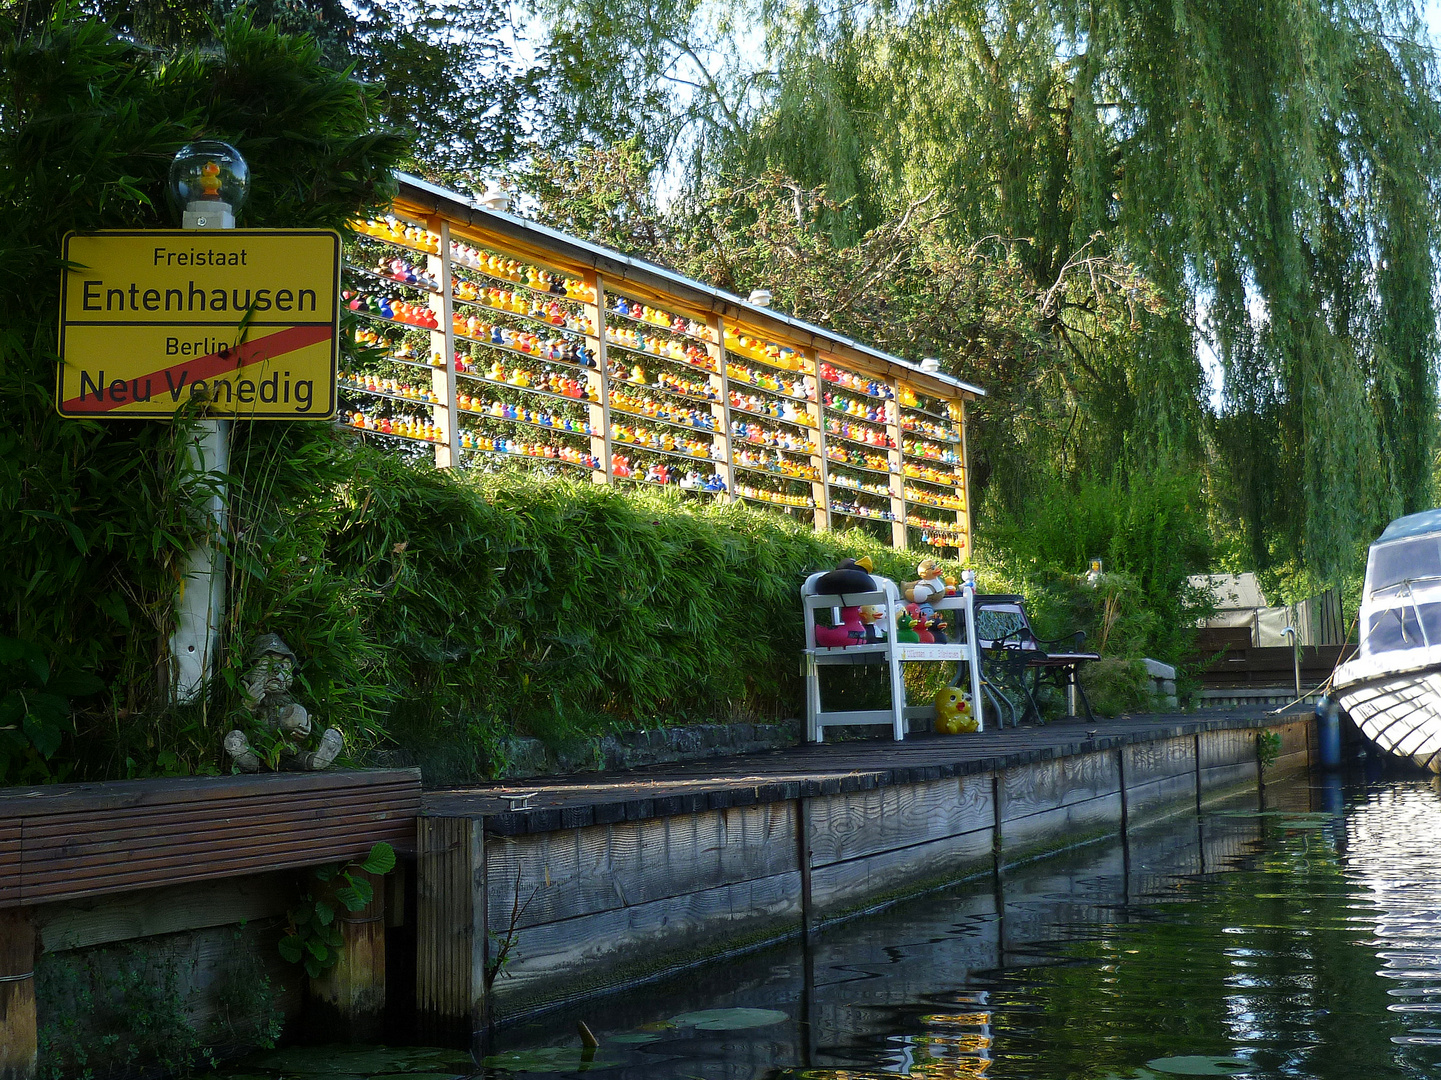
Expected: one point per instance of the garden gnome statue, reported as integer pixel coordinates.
(265, 690)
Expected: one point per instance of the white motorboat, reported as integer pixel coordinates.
(1392, 688)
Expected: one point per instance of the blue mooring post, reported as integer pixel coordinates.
(1328, 732)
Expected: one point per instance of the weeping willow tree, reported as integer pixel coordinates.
(1267, 166)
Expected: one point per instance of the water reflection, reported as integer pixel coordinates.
(1297, 938)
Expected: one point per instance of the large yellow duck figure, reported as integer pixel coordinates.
(954, 715)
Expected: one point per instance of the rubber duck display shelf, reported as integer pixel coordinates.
(545, 348)
(867, 622)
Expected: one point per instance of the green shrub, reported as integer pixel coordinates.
(491, 603)
(93, 514)
(1115, 686)
(1151, 534)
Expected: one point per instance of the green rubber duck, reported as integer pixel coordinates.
(905, 628)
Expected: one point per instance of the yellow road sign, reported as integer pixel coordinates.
(244, 320)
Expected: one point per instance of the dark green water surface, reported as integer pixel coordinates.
(1298, 935)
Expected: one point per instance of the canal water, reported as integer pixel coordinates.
(1296, 934)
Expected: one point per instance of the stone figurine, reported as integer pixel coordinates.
(265, 691)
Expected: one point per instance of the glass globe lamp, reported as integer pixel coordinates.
(208, 184)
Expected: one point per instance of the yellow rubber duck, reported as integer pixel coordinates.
(954, 715)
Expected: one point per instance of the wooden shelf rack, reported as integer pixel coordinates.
(546, 349)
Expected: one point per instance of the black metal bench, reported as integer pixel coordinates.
(1016, 662)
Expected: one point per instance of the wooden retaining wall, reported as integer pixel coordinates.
(582, 907)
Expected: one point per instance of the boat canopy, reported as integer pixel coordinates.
(1401, 607)
(1427, 521)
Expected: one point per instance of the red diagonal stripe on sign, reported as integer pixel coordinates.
(207, 367)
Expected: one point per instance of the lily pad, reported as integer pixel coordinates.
(1198, 1065)
(551, 1059)
(364, 1061)
(729, 1019)
(633, 1038)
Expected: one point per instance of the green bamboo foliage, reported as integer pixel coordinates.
(507, 602)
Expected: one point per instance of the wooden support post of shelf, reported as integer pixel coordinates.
(820, 492)
(899, 539)
(17, 995)
(720, 382)
(442, 340)
(347, 1003)
(963, 518)
(818, 411)
(599, 379)
(450, 928)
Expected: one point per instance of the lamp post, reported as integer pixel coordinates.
(209, 182)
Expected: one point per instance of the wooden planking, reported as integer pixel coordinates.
(9, 862)
(1228, 759)
(856, 824)
(1049, 786)
(806, 771)
(1295, 751)
(564, 960)
(120, 794)
(207, 964)
(843, 888)
(566, 874)
(874, 840)
(1050, 804)
(1225, 748)
(18, 1041)
(83, 923)
(1160, 777)
(95, 839)
(1162, 759)
(449, 925)
(80, 872)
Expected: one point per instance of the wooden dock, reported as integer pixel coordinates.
(65, 841)
(89, 865)
(539, 892)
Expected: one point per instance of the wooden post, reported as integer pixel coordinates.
(598, 412)
(963, 517)
(818, 414)
(720, 383)
(900, 538)
(820, 491)
(450, 928)
(17, 995)
(347, 1003)
(442, 340)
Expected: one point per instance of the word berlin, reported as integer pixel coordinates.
(95, 296)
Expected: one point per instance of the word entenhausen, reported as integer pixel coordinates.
(242, 322)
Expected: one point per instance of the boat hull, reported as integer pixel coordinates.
(1400, 712)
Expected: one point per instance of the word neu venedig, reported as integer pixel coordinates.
(279, 388)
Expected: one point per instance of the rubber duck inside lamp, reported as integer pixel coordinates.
(209, 181)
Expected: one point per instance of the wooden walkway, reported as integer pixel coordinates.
(63, 841)
(546, 804)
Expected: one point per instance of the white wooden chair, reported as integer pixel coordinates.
(887, 654)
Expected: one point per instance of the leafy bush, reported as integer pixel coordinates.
(1150, 533)
(458, 607)
(1115, 686)
(95, 515)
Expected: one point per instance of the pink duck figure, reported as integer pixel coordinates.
(851, 631)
